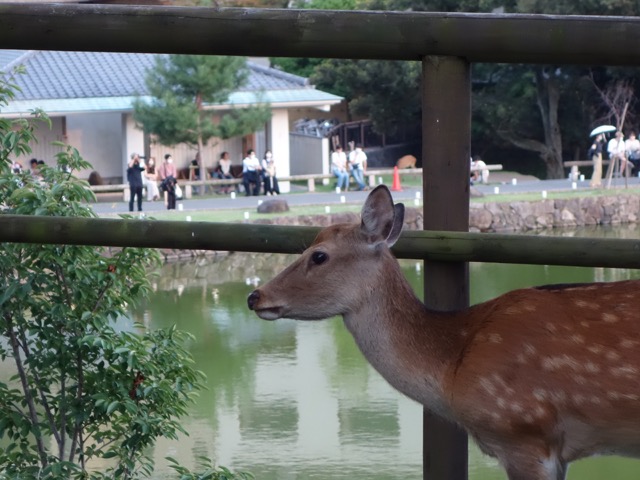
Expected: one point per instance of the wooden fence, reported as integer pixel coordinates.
(445, 44)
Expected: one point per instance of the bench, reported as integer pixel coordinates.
(187, 185)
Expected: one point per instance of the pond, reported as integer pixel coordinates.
(295, 400)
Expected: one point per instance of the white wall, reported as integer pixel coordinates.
(279, 142)
(97, 136)
(132, 140)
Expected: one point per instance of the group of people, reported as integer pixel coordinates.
(157, 181)
(258, 174)
(624, 153)
(343, 166)
(162, 181)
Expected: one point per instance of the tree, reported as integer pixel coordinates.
(184, 88)
(617, 97)
(85, 388)
(383, 91)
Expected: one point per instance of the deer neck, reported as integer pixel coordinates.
(412, 347)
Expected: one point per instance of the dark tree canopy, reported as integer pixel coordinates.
(520, 112)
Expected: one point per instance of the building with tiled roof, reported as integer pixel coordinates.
(89, 97)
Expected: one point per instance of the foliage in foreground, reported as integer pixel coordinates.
(91, 393)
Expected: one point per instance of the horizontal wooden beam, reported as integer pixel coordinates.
(492, 38)
(430, 245)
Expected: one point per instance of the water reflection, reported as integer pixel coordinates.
(293, 400)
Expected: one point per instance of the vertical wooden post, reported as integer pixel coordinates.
(446, 137)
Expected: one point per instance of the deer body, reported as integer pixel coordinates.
(539, 377)
(407, 161)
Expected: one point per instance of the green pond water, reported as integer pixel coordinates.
(295, 400)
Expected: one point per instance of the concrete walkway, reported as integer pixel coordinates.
(504, 183)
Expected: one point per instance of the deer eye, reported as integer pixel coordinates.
(319, 257)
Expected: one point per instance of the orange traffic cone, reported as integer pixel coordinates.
(396, 181)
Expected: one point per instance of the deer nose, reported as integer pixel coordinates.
(253, 299)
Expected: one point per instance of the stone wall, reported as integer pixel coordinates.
(512, 216)
(483, 217)
(518, 216)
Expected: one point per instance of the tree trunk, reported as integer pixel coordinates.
(548, 98)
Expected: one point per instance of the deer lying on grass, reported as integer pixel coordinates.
(539, 377)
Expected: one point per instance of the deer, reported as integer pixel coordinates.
(538, 377)
(407, 161)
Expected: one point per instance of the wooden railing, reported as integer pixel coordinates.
(446, 44)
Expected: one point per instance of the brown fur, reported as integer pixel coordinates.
(408, 161)
(539, 377)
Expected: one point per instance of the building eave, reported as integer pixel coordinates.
(301, 98)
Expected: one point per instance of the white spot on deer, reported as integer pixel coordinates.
(595, 400)
(610, 318)
(551, 327)
(578, 399)
(502, 403)
(577, 338)
(540, 411)
(626, 343)
(624, 371)
(529, 349)
(530, 307)
(585, 324)
(585, 304)
(591, 367)
(560, 361)
(517, 408)
(612, 355)
(499, 381)
(539, 394)
(528, 418)
(580, 380)
(595, 349)
(495, 338)
(488, 386)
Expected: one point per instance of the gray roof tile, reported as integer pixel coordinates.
(69, 75)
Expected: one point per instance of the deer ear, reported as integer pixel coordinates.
(398, 223)
(381, 220)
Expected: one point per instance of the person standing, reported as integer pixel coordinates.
(167, 175)
(339, 168)
(134, 177)
(151, 177)
(595, 153)
(251, 173)
(358, 165)
(269, 174)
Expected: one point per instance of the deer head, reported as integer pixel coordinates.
(329, 278)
